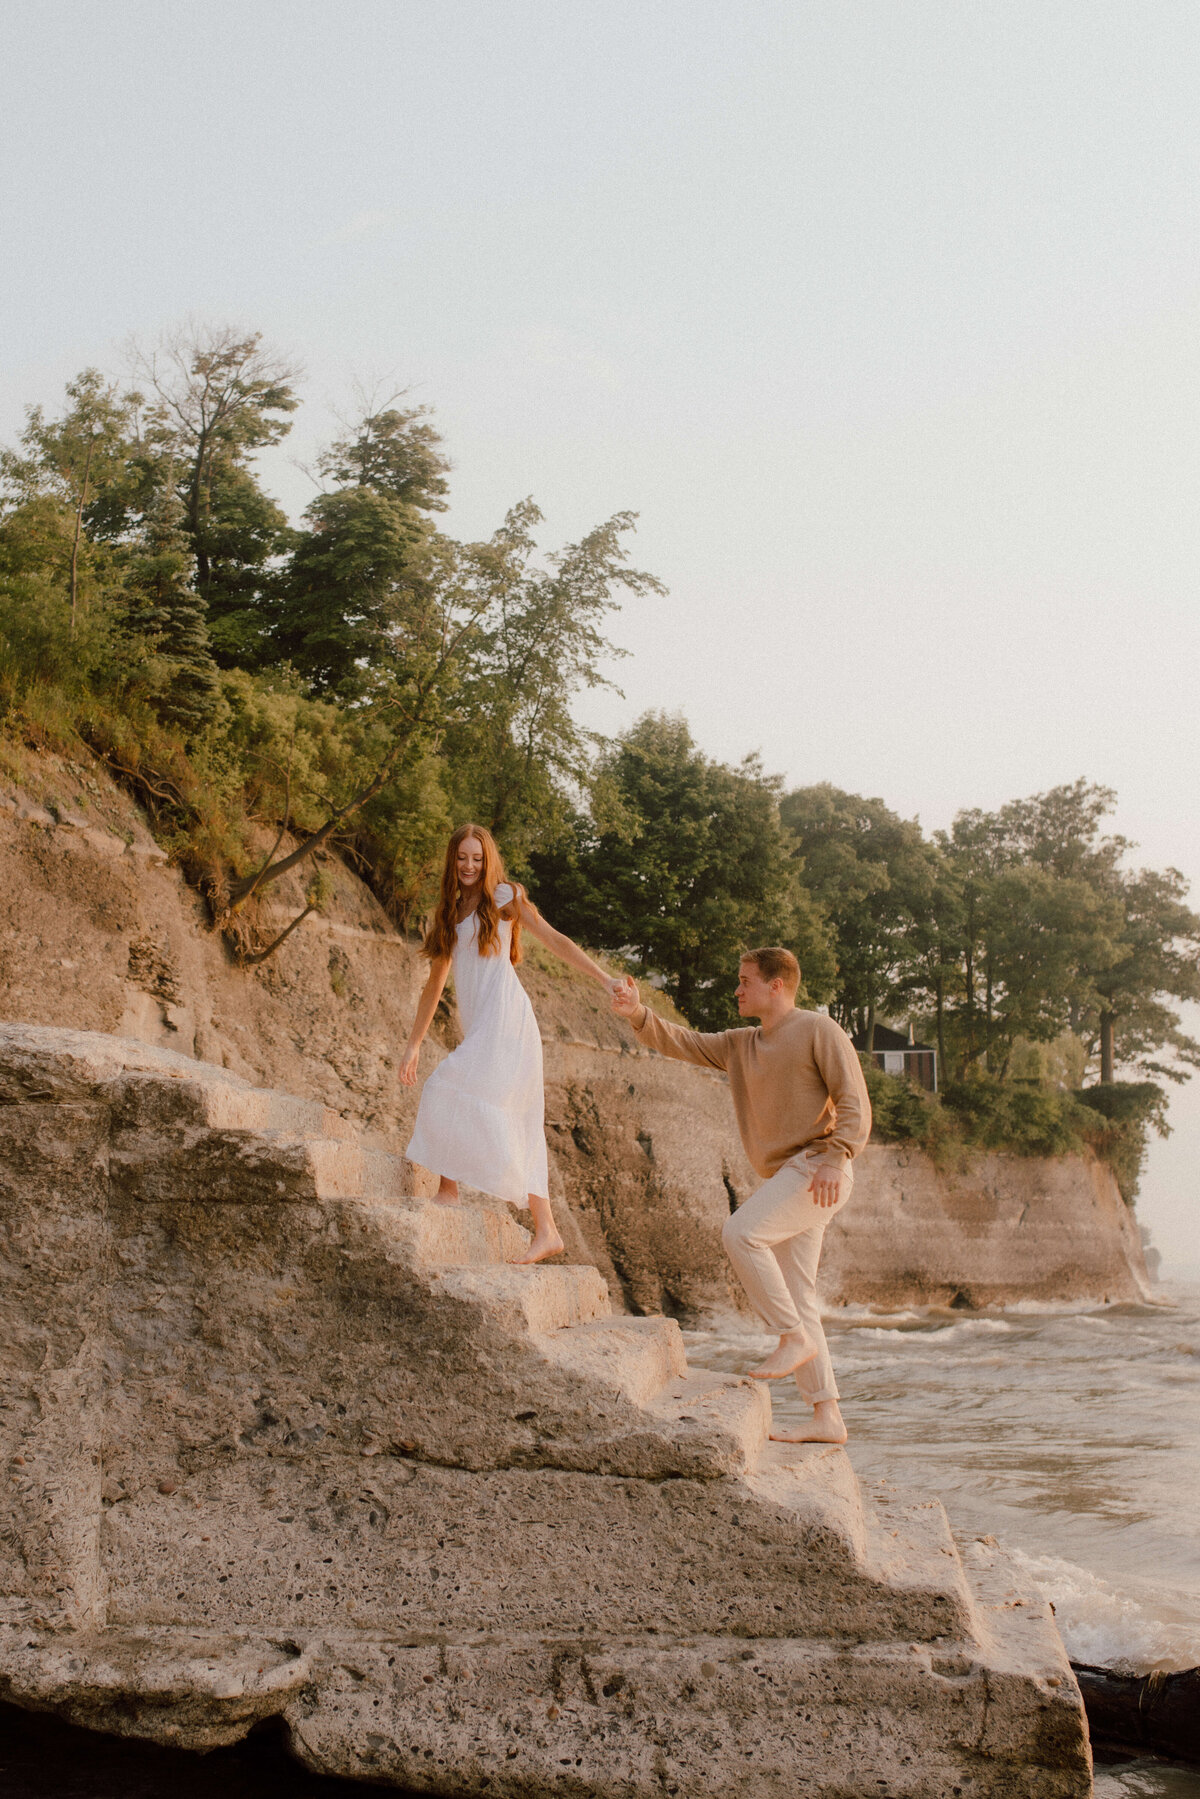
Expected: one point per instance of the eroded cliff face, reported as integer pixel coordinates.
(1003, 1228)
(98, 932)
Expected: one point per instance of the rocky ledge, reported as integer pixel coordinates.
(283, 1440)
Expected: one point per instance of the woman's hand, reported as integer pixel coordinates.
(626, 1000)
(408, 1067)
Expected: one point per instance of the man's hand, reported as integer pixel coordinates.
(625, 1000)
(825, 1186)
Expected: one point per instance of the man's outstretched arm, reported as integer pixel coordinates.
(709, 1049)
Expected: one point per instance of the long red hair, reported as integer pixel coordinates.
(443, 932)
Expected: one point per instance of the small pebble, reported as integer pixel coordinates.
(166, 1486)
(552, 1711)
(709, 1670)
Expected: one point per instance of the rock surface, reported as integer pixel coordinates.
(97, 933)
(282, 1439)
(1002, 1229)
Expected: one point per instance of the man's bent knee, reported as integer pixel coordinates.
(739, 1233)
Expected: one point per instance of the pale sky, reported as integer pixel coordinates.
(883, 317)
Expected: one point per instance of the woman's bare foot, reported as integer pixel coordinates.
(828, 1426)
(545, 1243)
(447, 1193)
(546, 1239)
(794, 1350)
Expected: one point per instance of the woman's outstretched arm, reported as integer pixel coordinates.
(431, 993)
(533, 922)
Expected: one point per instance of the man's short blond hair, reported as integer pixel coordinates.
(775, 964)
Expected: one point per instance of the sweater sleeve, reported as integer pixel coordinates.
(710, 1049)
(841, 1071)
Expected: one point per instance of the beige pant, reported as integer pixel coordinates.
(774, 1242)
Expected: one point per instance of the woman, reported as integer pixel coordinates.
(482, 1114)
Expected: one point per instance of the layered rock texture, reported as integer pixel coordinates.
(98, 932)
(1003, 1228)
(280, 1438)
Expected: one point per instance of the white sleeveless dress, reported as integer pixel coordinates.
(482, 1116)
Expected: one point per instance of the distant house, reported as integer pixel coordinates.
(896, 1053)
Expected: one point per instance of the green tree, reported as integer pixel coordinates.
(1157, 962)
(931, 979)
(353, 583)
(1148, 954)
(216, 397)
(1155, 939)
(165, 609)
(362, 571)
(514, 744)
(63, 466)
(395, 450)
(872, 875)
(693, 868)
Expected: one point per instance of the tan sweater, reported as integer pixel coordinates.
(796, 1086)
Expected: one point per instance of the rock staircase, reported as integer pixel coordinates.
(287, 1439)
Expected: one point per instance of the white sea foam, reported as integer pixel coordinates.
(1105, 1629)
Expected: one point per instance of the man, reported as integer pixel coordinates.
(803, 1115)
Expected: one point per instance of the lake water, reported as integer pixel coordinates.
(1071, 1435)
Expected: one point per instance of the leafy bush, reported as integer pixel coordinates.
(1130, 1110)
(903, 1113)
(1023, 1119)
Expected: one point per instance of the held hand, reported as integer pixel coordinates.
(625, 999)
(408, 1067)
(825, 1186)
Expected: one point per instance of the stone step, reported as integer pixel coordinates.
(910, 1548)
(537, 1301)
(202, 1163)
(344, 1169)
(721, 1418)
(199, 1095)
(437, 1237)
(264, 1109)
(637, 1357)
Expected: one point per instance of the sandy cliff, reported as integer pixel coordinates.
(98, 932)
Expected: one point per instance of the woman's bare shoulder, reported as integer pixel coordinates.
(512, 901)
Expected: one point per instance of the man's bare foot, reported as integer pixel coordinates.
(545, 1243)
(447, 1193)
(828, 1426)
(794, 1350)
